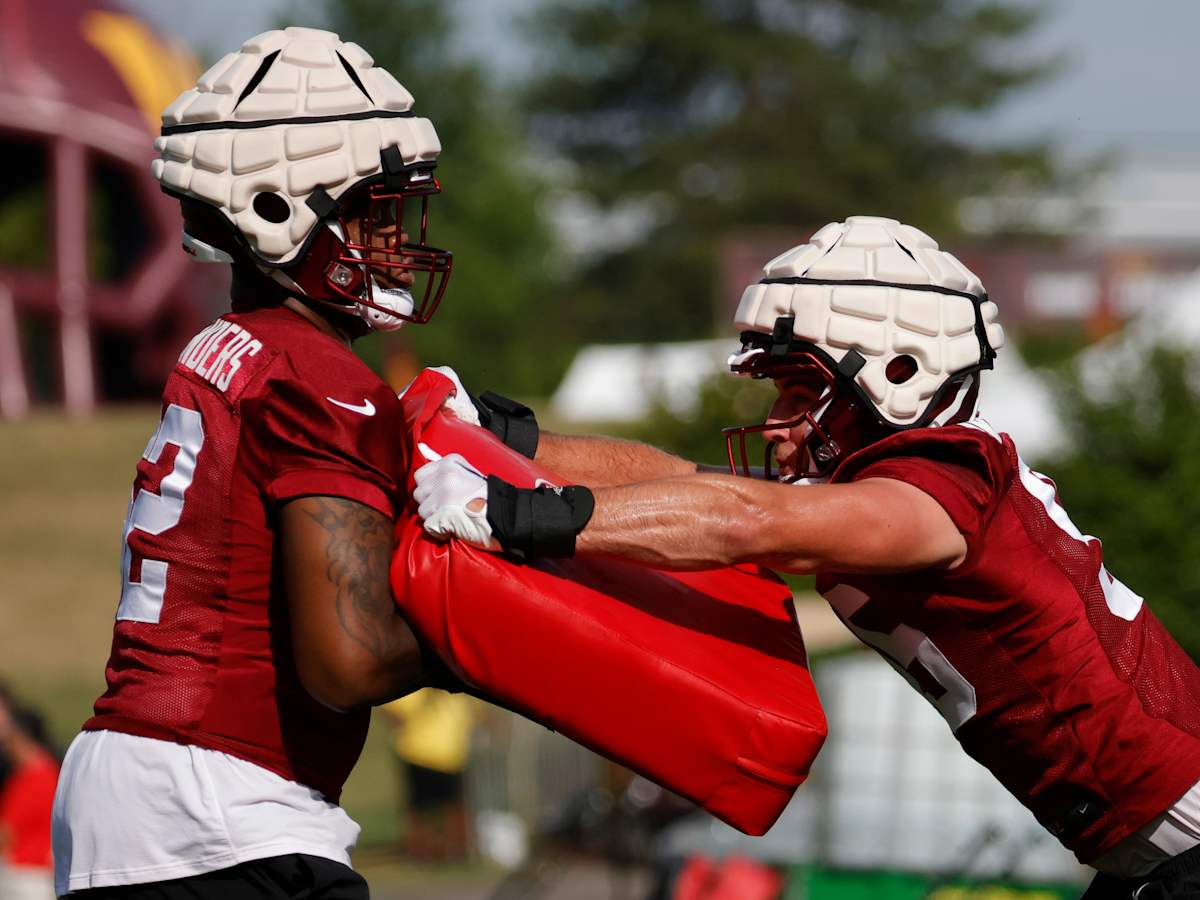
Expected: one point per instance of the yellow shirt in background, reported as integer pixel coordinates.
(434, 729)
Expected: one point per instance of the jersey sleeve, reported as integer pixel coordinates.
(964, 470)
(314, 446)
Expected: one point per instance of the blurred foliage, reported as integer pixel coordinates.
(498, 323)
(24, 205)
(720, 115)
(1131, 482)
(695, 434)
(117, 230)
(1051, 348)
(25, 228)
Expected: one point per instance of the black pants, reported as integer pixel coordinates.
(1176, 879)
(292, 877)
(430, 789)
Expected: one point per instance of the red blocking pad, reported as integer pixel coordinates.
(697, 680)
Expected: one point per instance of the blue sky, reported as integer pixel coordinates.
(1128, 84)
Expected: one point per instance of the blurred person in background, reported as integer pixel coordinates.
(432, 743)
(255, 626)
(929, 536)
(26, 798)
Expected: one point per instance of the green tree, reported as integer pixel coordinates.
(1132, 482)
(496, 324)
(721, 115)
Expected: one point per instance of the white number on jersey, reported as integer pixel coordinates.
(141, 601)
(914, 656)
(1122, 601)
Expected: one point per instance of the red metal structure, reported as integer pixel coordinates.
(95, 294)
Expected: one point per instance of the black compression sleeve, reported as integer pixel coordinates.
(541, 521)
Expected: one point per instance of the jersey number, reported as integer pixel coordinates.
(913, 655)
(151, 513)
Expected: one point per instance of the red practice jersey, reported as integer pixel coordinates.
(261, 408)
(26, 801)
(1050, 672)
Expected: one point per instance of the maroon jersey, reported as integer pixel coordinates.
(261, 407)
(1050, 672)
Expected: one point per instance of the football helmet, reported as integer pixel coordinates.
(316, 168)
(883, 330)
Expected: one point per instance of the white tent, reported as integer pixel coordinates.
(622, 382)
(1173, 321)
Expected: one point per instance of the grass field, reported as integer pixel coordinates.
(65, 488)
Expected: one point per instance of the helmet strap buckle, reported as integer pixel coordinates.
(781, 336)
(827, 452)
(343, 279)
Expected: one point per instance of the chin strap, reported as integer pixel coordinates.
(388, 306)
(514, 423)
(201, 251)
(541, 521)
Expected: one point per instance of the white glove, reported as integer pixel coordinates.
(459, 403)
(451, 497)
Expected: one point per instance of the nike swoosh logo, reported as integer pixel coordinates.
(366, 408)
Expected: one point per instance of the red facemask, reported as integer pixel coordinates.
(391, 250)
(837, 425)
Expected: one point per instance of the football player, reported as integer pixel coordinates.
(255, 626)
(929, 536)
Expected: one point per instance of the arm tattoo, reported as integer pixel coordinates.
(358, 553)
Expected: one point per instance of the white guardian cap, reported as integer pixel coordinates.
(286, 139)
(898, 329)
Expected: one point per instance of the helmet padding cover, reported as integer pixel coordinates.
(298, 117)
(882, 290)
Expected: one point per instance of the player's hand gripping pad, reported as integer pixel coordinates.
(697, 680)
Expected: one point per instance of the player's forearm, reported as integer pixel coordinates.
(379, 657)
(695, 521)
(709, 520)
(397, 668)
(595, 461)
(676, 523)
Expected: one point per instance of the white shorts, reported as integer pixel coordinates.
(1174, 832)
(132, 810)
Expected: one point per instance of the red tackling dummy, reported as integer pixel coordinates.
(697, 680)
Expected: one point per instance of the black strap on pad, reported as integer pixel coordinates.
(541, 521)
(512, 422)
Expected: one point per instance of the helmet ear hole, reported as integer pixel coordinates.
(900, 369)
(272, 207)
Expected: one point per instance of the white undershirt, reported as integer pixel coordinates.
(131, 810)
(1166, 836)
